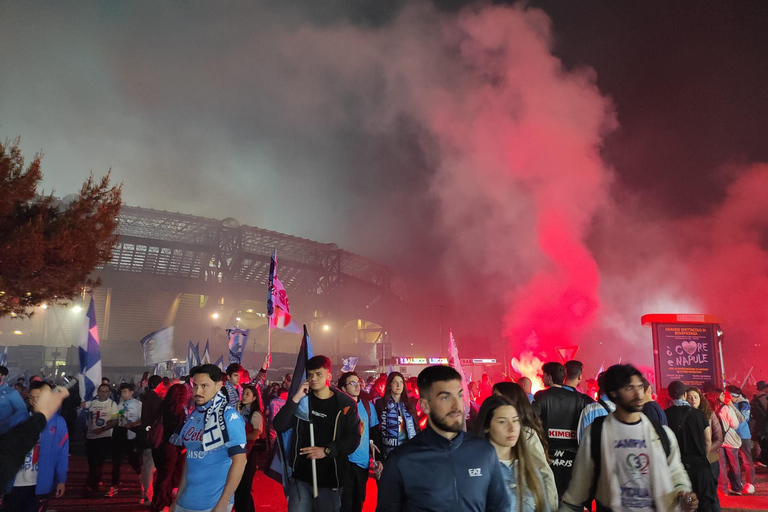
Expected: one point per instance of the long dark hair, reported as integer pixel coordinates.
(404, 397)
(703, 402)
(175, 402)
(256, 405)
(527, 477)
(515, 393)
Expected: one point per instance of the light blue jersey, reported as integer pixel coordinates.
(361, 455)
(207, 470)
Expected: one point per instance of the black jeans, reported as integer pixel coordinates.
(96, 450)
(243, 497)
(169, 462)
(353, 488)
(122, 446)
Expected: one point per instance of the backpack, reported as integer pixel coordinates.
(596, 435)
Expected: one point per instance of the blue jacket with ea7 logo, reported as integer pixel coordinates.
(432, 473)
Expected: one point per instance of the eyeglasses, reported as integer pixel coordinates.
(355, 383)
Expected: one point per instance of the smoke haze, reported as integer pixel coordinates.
(454, 146)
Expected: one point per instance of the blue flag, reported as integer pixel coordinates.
(238, 338)
(4, 358)
(280, 469)
(158, 346)
(90, 355)
(206, 357)
(220, 363)
(193, 356)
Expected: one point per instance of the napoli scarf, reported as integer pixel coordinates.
(391, 426)
(215, 434)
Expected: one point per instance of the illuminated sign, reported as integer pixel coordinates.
(484, 361)
(438, 360)
(411, 360)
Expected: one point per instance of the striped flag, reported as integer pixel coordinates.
(278, 307)
(238, 338)
(220, 363)
(193, 356)
(206, 359)
(455, 361)
(90, 355)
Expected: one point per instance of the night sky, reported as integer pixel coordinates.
(373, 124)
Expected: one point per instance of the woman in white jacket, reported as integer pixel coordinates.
(532, 435)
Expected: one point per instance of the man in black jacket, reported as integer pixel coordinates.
(150, 409)
(560, 410)
(336, 426)
(443, 467)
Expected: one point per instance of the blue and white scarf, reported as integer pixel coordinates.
(215, 434)
(680, 401)
(390, 425)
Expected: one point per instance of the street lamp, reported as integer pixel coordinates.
(326, 327)
(215, 316)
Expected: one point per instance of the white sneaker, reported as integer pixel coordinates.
(749, 489)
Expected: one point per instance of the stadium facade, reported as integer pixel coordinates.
(204, 275)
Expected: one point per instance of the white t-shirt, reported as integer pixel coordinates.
(27, 474)
(633, 469)
(129, 411)
(99, 413)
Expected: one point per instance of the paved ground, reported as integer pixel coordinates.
(268, 494)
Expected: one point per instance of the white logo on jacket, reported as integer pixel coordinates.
(476, 472)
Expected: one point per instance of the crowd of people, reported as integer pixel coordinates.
(197, 442)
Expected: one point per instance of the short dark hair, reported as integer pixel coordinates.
(618, 376)
(573, 369)
(345, 376)
(3, 371)
(213, 371)
(761, 385)
(127, 385)
(676, 389)
(318, 362)
(105, 379)
(734, 390)
(646, 384)
(103, 385)
(154, 381)
(554, 370)
(38, 384)
(432, 374)
(234, 368)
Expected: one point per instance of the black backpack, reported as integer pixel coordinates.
(595, 436)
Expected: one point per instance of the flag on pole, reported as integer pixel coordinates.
(601, 370)
(4, 357)
(390, 369)
(158, 346)
(206, 359)
(220, 363)
(455, 361)
(238, 338)
(279, 469)
(278, 307)
(90, 355)
(349, 364)
(193, 356)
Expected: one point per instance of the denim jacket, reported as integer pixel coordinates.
(510, 482)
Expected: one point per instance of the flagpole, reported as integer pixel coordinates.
(269, 335)
(314, 461)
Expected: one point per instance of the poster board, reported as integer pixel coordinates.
(686, 348)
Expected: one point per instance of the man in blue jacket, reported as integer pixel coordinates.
(443, 467)
(45, 467)
(12, 408)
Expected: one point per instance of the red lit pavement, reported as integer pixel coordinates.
(269, 495)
